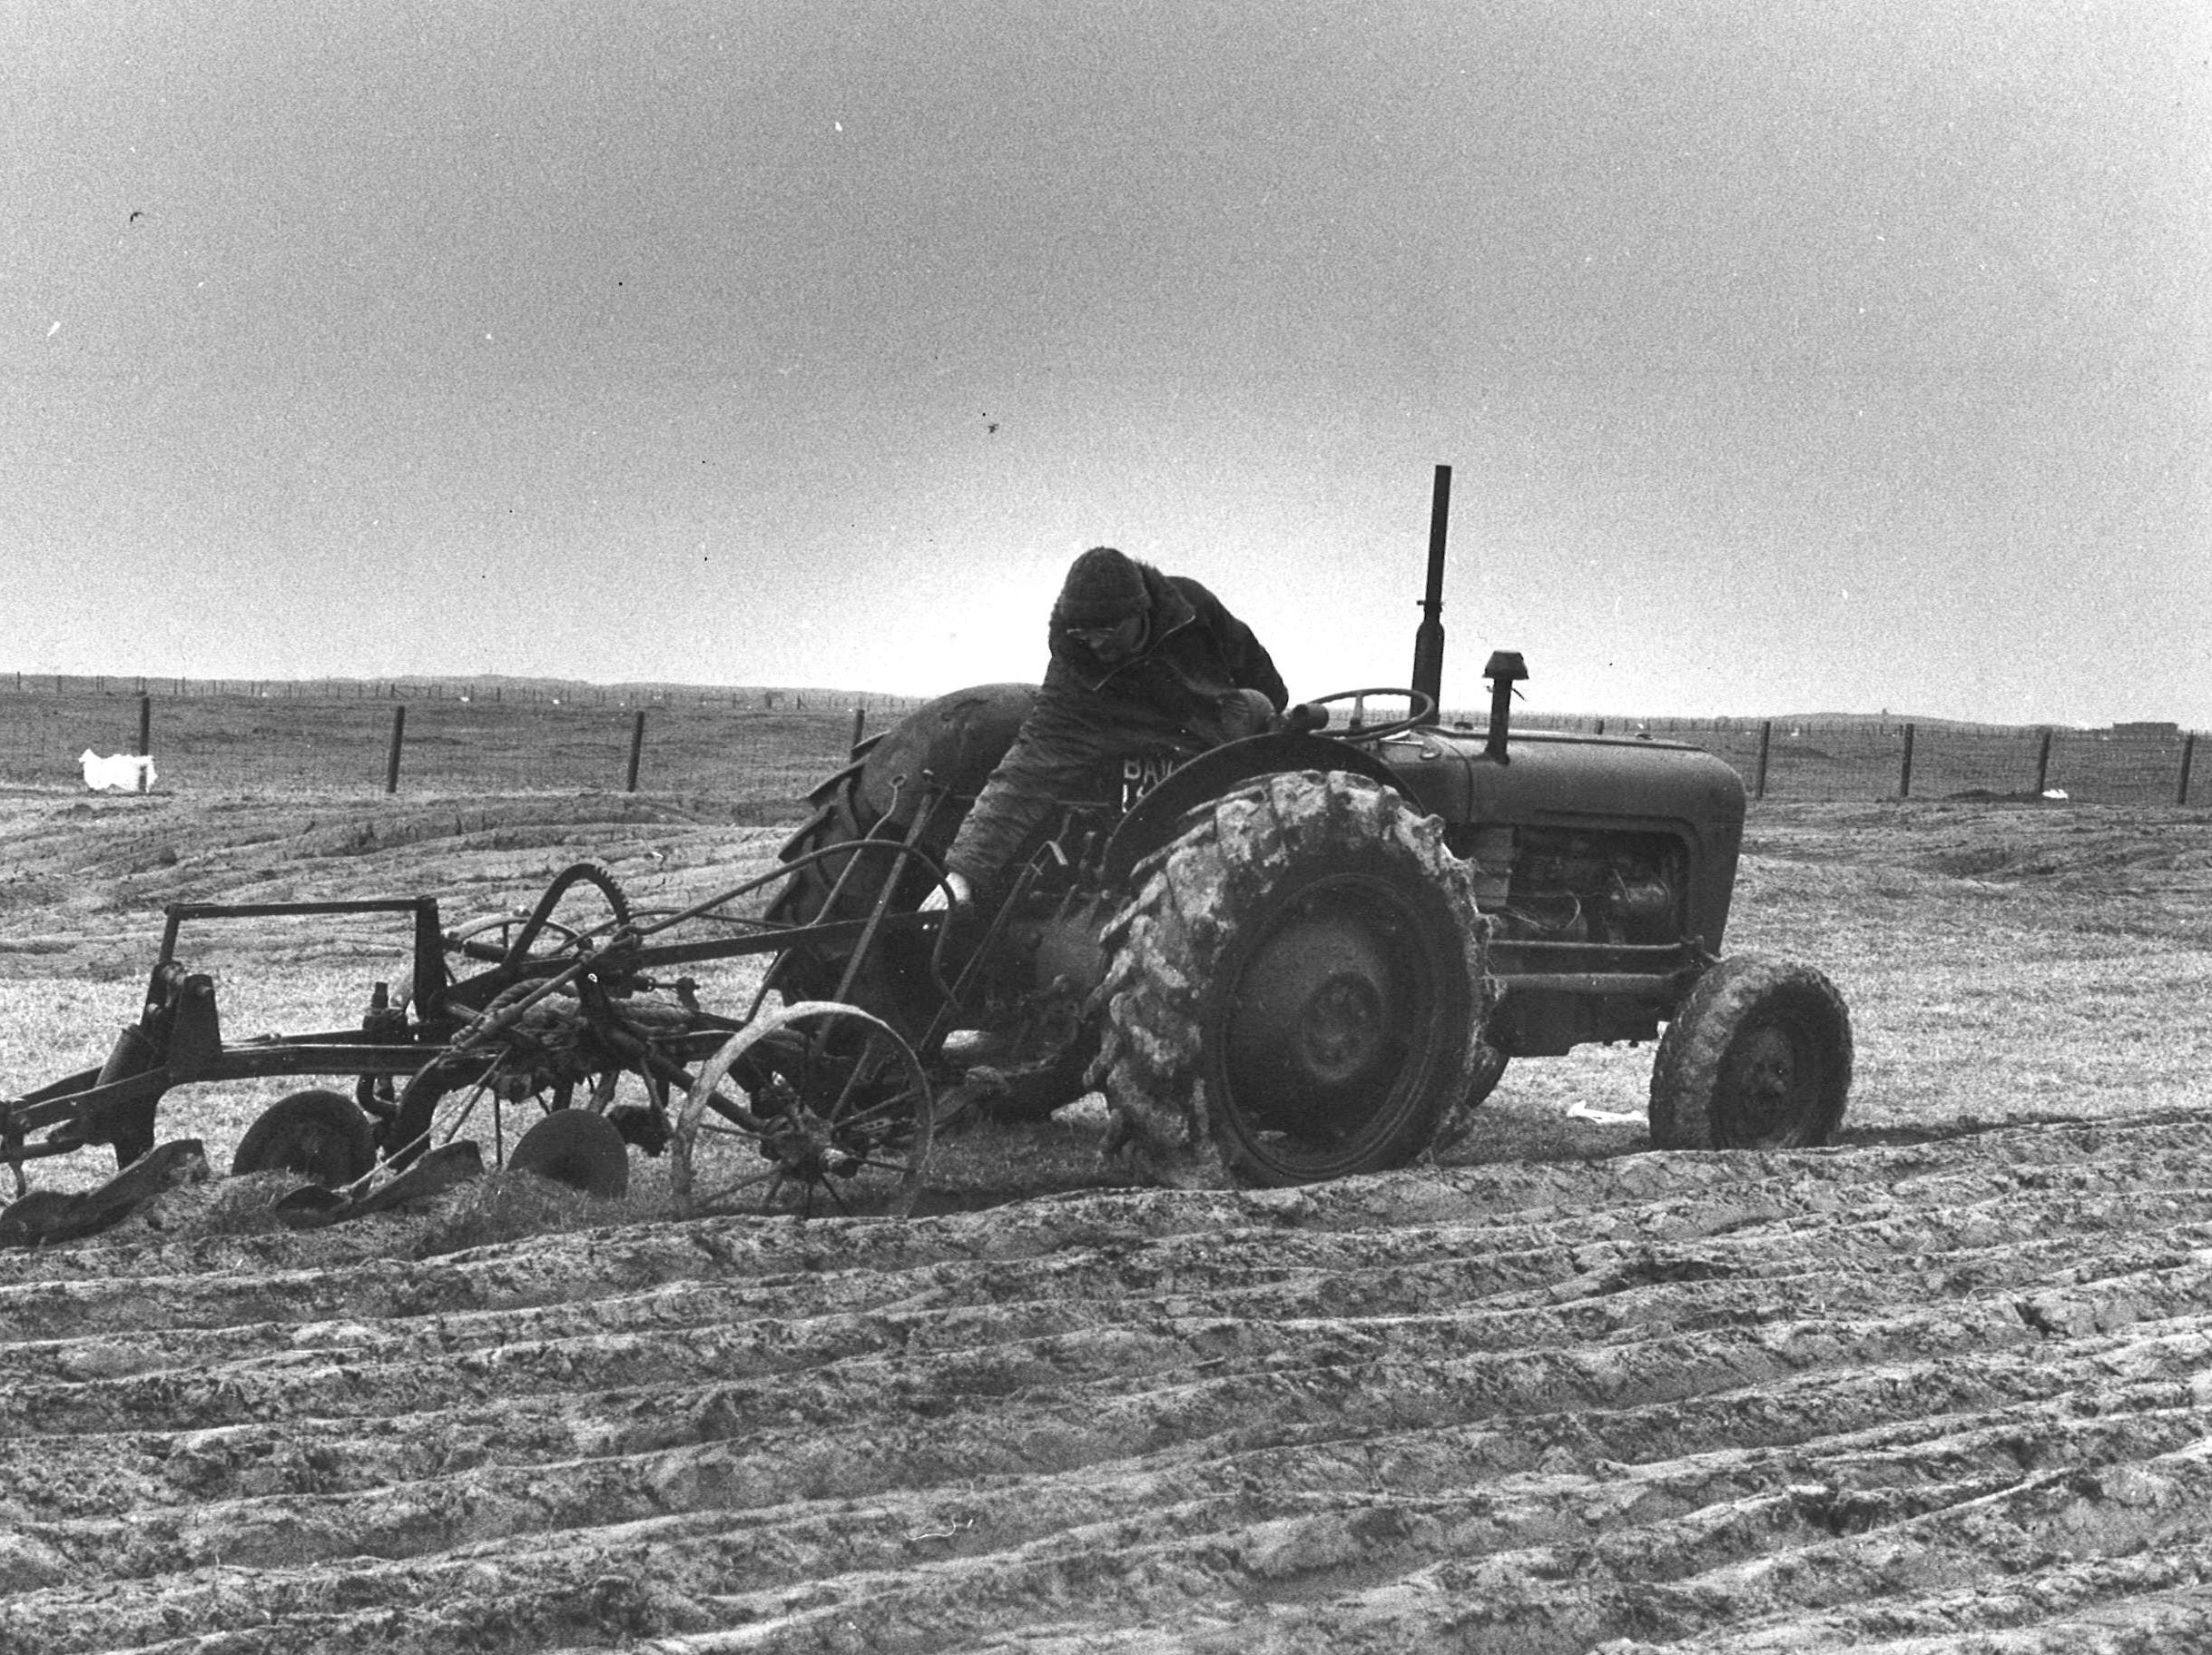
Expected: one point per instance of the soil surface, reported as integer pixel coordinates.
(1946, 1388)
(1953, 1395)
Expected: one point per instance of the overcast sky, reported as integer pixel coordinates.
(1789, 358)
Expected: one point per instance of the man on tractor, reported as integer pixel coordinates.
(1146, 670)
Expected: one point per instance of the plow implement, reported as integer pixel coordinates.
(553, 1039)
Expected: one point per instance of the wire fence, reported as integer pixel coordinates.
(1883, 759)
(770, 746)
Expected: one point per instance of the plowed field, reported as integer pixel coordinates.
(1947, 1386)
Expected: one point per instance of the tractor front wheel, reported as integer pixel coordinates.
(1297, 992)
(1758, 1057)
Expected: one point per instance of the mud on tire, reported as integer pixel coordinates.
(1296, 992)
(1758, 1057)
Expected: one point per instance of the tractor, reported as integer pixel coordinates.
(1314, 951)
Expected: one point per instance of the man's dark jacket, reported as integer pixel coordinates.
(1179, 696)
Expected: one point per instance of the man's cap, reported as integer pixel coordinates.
(1103, 586)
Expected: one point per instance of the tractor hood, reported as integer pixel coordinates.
(1550, 778)
(1598, 788)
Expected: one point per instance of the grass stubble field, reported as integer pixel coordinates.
(1947, 1386)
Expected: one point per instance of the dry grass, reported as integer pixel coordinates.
(2066, 973)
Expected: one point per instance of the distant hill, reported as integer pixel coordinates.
(409, 686)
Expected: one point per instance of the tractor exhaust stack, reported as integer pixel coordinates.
(1428, 637)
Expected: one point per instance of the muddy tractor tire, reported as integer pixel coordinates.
(1758, 1057)
(1484, 1073)
(952, 743)
(1296, 992)
(1485, 1069)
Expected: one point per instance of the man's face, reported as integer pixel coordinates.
(1111, 645)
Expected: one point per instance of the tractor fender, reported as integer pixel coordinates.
(1156, 817)
(953, 743)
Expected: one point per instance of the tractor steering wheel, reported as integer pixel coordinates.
(1421, 710)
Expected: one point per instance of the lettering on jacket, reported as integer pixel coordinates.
(1143, 772)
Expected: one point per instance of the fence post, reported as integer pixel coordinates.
(637, 745)
(1904, 772)
(2188, 753)
(860, 722)
(145, 725)
(2043, 764)
(1767, 742)
(391, 759)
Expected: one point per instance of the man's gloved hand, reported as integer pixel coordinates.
(955, 890)
(1247, 713)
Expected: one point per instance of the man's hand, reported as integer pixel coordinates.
(955, 890)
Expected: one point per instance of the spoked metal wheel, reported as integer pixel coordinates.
(834, 1118)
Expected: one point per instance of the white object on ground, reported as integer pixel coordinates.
(128, 772)
(1608, 1117)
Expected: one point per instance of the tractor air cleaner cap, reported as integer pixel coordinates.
(1507, 666)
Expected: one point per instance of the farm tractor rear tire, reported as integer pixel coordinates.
(1758, 1057)
(950, 745)
(1296, 992)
